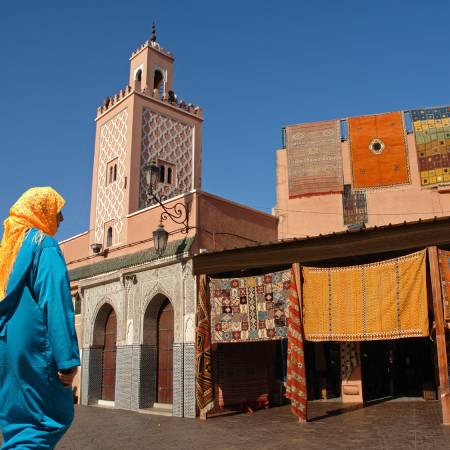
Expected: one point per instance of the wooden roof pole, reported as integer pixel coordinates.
(440, 333)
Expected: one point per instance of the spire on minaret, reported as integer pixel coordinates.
(153, 37)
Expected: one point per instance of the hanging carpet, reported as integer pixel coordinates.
(378, 150)
(382, 300)
(444, 263)
(295, 375)
(249, 308)
(314, 159)
(432, 135)
(204, 390)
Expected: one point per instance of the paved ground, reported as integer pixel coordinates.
(389, 425)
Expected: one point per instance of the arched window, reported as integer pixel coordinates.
(109, 237)
(169, 175)
(138, 76)
(158, 82)
(115, 172)
(162, 173)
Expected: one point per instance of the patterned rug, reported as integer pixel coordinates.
(250, 308)
(432, 135)
(383, 300)
(204, 392)
(444, 263)
(314, 159)
(296, 375)
(378, 150)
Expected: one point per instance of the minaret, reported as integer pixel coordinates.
(143, 122)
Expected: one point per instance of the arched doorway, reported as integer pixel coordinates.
(165, 353)
(109, 358)
(105, 337)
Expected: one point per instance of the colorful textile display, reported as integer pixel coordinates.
(204, 389)
(382, 300)
(314, 159)
(250, 308)
(296, 375)
(354, 206)
(378, 150)
(444, 263)
(432, 135)
(349, 359)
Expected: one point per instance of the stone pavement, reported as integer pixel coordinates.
(389, 425)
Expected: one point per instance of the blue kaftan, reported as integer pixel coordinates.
(37, 338)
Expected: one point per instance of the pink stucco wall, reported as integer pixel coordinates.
(322, 214)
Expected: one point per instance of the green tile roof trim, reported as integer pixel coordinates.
(133, 259)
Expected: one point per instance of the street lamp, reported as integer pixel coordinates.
(177, 213)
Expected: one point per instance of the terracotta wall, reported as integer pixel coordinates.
(225, 224)
(139, 226)
(322, 214)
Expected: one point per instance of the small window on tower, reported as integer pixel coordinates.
(111, 172)
(158, 82)
(166, 173)
(109, 237)
(139, 75)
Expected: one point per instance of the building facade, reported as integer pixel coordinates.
(136, 321)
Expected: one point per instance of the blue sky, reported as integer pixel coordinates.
(253, 66)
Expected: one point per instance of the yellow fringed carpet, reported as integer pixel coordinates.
(383, 300)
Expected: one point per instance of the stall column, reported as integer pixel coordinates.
(440, 333)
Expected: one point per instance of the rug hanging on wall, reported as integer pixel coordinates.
(204, 388)
(444, 263)
(314, 159)
(249, 308)
(432, 136)
(382, 300)
(295, 375)
(378, 150)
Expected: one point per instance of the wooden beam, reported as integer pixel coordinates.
(440, 333)
(339, 245)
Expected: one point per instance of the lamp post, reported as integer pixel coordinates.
(177, 213)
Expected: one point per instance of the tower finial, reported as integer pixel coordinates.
(153, 37)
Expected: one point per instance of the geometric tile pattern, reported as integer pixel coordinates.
(177, 407)
(147, 387)
(123, 376)
(171, 141)
(91, 377)
(189, 381)
(109, 204)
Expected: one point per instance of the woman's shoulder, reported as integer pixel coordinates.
(41, 239)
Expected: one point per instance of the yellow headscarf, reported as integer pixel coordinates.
(36, 208)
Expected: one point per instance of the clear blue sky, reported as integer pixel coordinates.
(253, 66)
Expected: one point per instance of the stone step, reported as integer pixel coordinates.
(157, 411)
(163, 406)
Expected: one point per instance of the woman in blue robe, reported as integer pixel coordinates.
(38, 343)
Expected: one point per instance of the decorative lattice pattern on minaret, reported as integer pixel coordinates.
(169, 140)
(110, 197)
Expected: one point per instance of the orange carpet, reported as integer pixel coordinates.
(378, 150)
